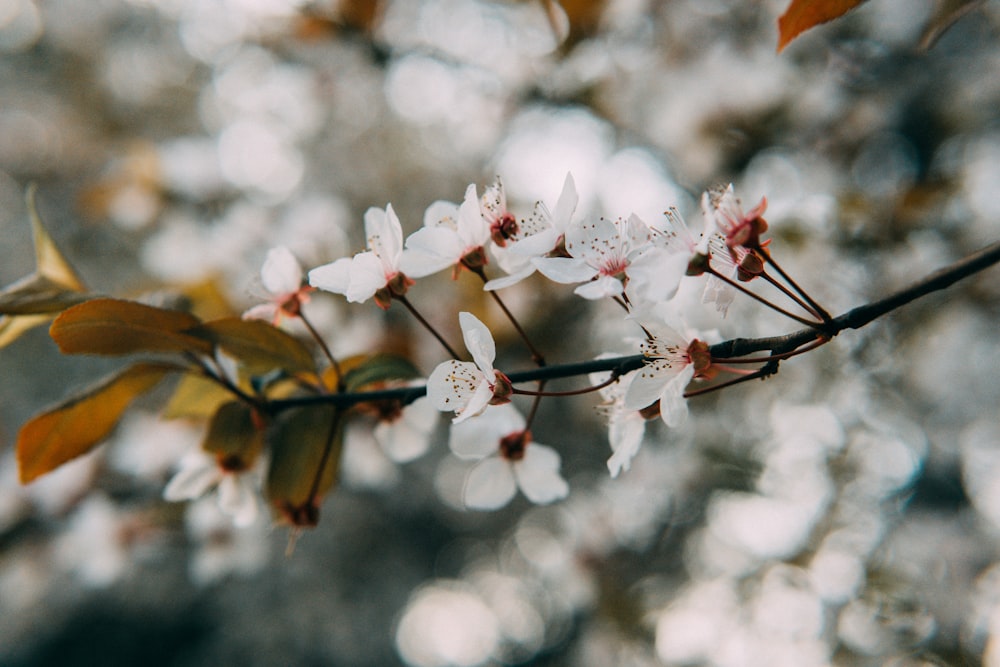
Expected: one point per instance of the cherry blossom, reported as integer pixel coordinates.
(466, 387)
(508, 460)
(238, 487)
(373, 273)
(626, 427)
(541, 234)
(452, 235)
(609, 255)
(673, 360)
(281, 275)
(405, 435)
(726, 212)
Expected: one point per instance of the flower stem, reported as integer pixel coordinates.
(757, 297)
(790, 294)
(818, 309)
(326, 350)
(573, 392)
(427, 325)
(536, 356)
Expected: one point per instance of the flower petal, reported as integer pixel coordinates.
(384, 235)
(603, 287)
(479, 402)
(649, 382)
(538, 475)
(479, 343)
(334, 277)
(281, 273)
(625, 433)
(452, 384)
(490, 485)
(480, 437)
(237, 498)
(564, 270)
(367, 277)
(198, 474)
(673, 405)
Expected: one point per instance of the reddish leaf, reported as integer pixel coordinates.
(804, 14)
(305, 458)
(260, 346)
(77, 425)
(114, 326)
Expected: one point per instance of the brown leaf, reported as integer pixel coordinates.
(49, 262)
(115, 326)
(804, 14)
(74, 427)
(305, 457)
(260, 346)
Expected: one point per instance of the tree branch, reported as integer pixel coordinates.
(736, 347)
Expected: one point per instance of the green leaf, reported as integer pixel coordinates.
(76, 426)
(802, 15)
(259, 346)
(115, 326)
(305, 456)
(235, 435)
(379, 370)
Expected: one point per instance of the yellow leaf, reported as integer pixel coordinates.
(37, 295)
(259, 346)
(804, 14)
(49, 261)
(196, 397)
(74, 427)
(115, 326)
(11, 328)
(305, 457)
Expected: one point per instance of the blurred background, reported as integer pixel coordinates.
(845, 512)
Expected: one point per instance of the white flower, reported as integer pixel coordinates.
(508, 460)
(406, 436)
(677, 237)
(238, 489)
(724, 210)
(541, 234)
(606, 255)
(673, 360)
(281, 275)
(452, 236)
(466, 387)
(374, 273)
(626, 427)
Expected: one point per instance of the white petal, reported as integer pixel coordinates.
(407, 437)
(490, 485)
(384, 234)
(281, 273)
(564, 270)
(193, 480)
(264, 311)
(480, 437)
(452, 384)
(538, 244)
(473, 229)
(507, 281)
(595, 241)
(479, 402)
(673, 405)
(649, 382)
(565, 206)
(656, 274)
(441, 213)
(601, 288)
(367, 277)
(238, 499)
(479, 342)
(432, 249)
(538, 475)
(625, 432)
(334, 277)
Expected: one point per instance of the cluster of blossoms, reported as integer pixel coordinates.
(628, 260)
